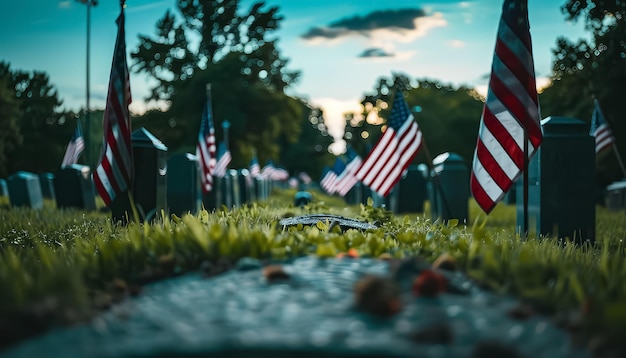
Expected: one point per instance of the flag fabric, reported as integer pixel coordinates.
(346, 180)
(223, 160)
(511, 107)
(383, 167)
(326, 173)
(267, 170)
(329, 180)
(74, 147)
(600, 129)
(279, 174)
(114, 172)
(205, 149)
(305, 178)
(271, 172)
(254, 168)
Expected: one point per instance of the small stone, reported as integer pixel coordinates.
(521, 312)
(274, 273)
(445, 262)
(377, 295)
(167, 263)
(352, 253)
(247, 264)
(407, 268)
(429, 284)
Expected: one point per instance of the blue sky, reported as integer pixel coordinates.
(340, 57)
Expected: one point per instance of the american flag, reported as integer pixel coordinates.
(600, 129)
(269, 171)
(383, 167)
(510, 109)
(74, 147)
(330, 178)
(327, 176)
(114, 172)
(205, 149)
(346, 180)
(305, 178)
(223, 159)
(254, 168)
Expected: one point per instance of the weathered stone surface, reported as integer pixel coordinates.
(313, 313)
(343, 222)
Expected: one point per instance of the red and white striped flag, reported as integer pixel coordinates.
(383, 167)
(346, 180)
(223, 160)
(114, 172)
(510, 109)
(74, 147)
(600, 129)
(327, 179)
(255, 169)
(205, 149)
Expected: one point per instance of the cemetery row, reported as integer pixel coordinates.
(561, 189)
(162, 183)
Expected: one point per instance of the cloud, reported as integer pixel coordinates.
(64, 4)
(376, 52)
(400, 21)
(456, 43)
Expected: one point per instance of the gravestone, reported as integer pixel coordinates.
(616, 196)
(411, 191)
(450, 188)
(184, 192)
(74, 188)
(149, 187)
(424, 171)
(212, 199)
(354, 195)
(245, 186)
(230, 189)
(46, 180)
(302, 198)
(25, 190)
(263, 188)
(366, 193)
(561, 182)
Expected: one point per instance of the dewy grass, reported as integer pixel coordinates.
(64, 261)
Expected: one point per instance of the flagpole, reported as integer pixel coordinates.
(87, 133)
(525, 189)
(619, 160)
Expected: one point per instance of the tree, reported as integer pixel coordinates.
(42, 128)
(308, 152)
(589, 69)
(10, 136)
(242, 63)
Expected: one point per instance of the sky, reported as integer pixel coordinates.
(341, 47)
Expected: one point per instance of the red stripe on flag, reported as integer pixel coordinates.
(492, 166)
(113, 158)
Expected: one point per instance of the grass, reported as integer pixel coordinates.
(62, 266)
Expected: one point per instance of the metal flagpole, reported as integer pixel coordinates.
(619, 160)
(87, 134)
(525, 189)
